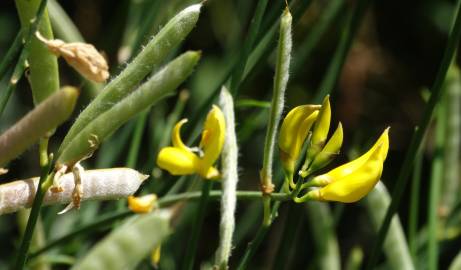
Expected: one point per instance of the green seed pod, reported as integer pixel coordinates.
(125, 247)
(148, 60)
(162, 84)
(37, 123)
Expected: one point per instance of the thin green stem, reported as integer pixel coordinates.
(34, 213)
(247, 46)
(435, 187)
(136, 140)
(12, 52)
(162, 202)
(414, 205)
(195, 233)
(20, 65)
(348, 34)
(312, 39)
(417, 138)
(257, 240)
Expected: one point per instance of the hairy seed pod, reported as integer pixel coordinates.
(103, 184)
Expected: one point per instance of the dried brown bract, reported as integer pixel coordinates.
(82, 56)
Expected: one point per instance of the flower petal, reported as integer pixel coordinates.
(356, 185)
(212, 137)
(143, 204)
(380, 148)
(176, 135)
(178, 161)
(293, 132)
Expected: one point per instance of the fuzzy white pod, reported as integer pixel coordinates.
(282, 69)
(229, 181)
(102, 184)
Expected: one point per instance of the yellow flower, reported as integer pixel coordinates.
(182, 160)
(320, 133)
(328, 153)
(293, 133)
(353, 180)
(143, 204)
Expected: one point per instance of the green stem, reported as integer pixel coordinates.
(414, 205)
(348, 34)
(136, 140)
(193, 242)
(162, 202)
(435, 187)
(257, 240)
(20, 65)
(34, 213)
(14, 49)
(43, 70)
(247, 46)
(417, 138)
(315, 34)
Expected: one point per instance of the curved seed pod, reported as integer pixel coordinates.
(125, 247)
(162, 84)
(148, 60)
(37, 123)
(104, 184)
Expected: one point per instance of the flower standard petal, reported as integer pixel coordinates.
(178, 161)
(294, 131)
(320, 132)
(212, 138)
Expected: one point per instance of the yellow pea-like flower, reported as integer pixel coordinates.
(320, 132)
(182, 160)
(353, 180)
(143, 204)
(293, 133)
(328, 153)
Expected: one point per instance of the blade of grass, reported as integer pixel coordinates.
(198, 224)
(324, 236)
(415, 144)
(435, 186)
(414, 204)
(395, 245)
(248, 46)
(315, 34)
(345, 43)
(11, 54)
(20, 65)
